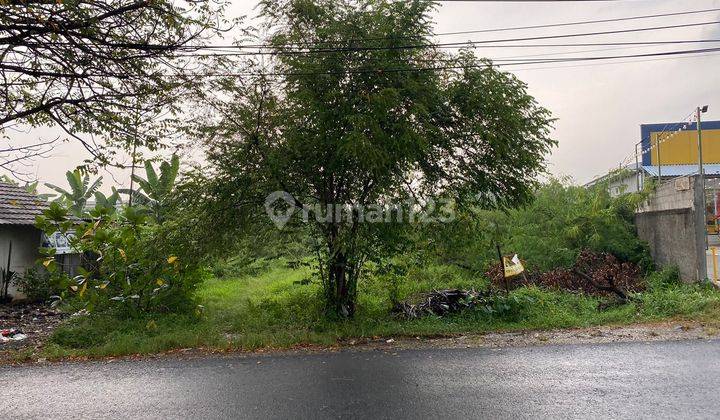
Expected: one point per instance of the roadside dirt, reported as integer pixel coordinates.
(655, 332)
(666, 331)
(35, 321)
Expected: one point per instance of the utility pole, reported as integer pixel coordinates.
(637, 168)
(657, 154)
(701, 169)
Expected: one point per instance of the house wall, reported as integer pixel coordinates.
(671, 221)
(627, 184)
(25, 243)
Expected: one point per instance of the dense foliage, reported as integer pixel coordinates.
(37, 285)
(270, 309)
(80, 191)
(548, 233)
(155, 191)
(363, 122)
(132, 260)
(103, 68)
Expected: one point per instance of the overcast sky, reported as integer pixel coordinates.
(599, 106)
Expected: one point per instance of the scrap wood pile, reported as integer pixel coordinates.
(593, 273)
(440, 302)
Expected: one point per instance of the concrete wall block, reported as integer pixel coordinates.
(672, 222)
(671, 237)
(669, 196)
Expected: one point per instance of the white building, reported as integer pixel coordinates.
(18, 209)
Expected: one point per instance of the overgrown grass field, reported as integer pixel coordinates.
(269, 307)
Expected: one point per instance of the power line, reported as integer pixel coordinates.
(567, 52)
(436, 45)
(584, 22)
(475, 44)
(672, 55)
(615, 62)
(564, 45)
(503, 62)
(506, 62)
(448, 59)
(541, 26)
(510, 61)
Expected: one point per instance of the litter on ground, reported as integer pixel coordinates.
(11, 334)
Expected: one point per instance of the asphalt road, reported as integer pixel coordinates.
(632, 380)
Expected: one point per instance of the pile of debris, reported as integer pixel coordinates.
(440, 302)
(26, 325)
(11, 334)
(593, 273)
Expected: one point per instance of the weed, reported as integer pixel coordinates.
(275, 309)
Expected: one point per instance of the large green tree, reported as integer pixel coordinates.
(107, 72)
(354, 107)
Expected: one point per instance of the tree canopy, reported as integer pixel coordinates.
(346, 115)
(103, 68)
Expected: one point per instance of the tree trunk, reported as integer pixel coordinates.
(340, 287)
(341, 278)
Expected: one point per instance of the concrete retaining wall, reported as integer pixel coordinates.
(671, 221)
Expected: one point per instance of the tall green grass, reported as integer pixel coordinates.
(275, 309)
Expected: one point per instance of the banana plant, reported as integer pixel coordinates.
(155, 190)
(31, 187)
(106, 204)
(81, 189)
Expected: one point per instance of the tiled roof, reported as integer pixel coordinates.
(19, 207)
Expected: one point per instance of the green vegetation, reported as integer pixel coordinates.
(273, 309)
(36, 285)
(269, 294)
(453, 157)
(135, 259)
(562, 220)
(345, 143)
(81, 190)
(155, 191)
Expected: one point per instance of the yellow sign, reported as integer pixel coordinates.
(681, 148)
(513, 266)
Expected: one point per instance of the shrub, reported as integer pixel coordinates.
(667, 295)
(663, 279)
(37, 284)
(135, 264)
(548, 233)
(83, 332)
(239, 266)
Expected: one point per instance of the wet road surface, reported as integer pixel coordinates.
(630, 380)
